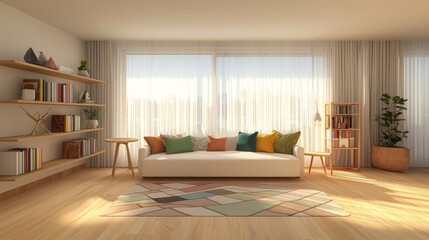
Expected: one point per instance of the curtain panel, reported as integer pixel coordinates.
(362, 71)
(416, 82)
(99, 55)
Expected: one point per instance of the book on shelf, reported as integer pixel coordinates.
(342, 122)
(51, 91)
(65, 123)
(87, 146)
(71, 149)
(20, 160)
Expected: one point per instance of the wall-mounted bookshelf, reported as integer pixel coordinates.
(342, 132)
(24, 138)
(53, 166)
(18, 101)
(47, 71)
(50, 167)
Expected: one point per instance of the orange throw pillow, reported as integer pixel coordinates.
(155, 143)
(264, 142)
(216, 144)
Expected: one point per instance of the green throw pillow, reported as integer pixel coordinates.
(284, 142)
(178, 145)
(246, 142)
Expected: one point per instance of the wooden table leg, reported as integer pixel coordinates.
(323, 164)
(331, 159)
(311, 164)
(130, 164)
(116, 158)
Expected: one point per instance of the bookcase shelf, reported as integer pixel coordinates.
(23, 138)
(18, 101)
(49, 167)
(47, 71)
(342, 128)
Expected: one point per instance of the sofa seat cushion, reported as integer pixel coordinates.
(224, 155)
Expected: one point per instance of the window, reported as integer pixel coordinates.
(169, 93)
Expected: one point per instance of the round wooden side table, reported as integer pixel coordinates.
(318, 154)
(118, 142)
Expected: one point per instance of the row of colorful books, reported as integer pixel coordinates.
(80, 147)
(20, 160)
(50, 91)
(65, 123)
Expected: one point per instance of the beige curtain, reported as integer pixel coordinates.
(99, 55)
(361, 72)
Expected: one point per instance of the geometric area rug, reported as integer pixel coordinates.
(222, 199)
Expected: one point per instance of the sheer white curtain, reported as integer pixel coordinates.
(416, 86)
(167, 93)
(219, 88)
(266, 92)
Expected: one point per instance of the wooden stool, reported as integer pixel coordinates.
(317, 154)
(118, 142)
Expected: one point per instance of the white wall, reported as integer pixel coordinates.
(18, 32)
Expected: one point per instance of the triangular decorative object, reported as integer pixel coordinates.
(30, 57)
(51, 64)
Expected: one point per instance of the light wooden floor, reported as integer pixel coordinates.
(383, 205)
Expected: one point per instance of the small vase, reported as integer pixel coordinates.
(91, 124)
(42, 59)
(84, 73)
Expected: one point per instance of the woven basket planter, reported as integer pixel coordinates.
(390, 158)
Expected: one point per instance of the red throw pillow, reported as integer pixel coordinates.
(216, 144)
(155, 143)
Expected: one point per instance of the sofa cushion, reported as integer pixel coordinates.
(222, 156)
(199, 143)
(231, 143)
(284, 142)
(264, 142)
(216, 144)
(155, 143)
(246, 142)
(178, 145)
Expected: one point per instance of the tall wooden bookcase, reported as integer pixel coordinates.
(53, 166)
(342, 133)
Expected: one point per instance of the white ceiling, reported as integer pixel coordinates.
(234, 19)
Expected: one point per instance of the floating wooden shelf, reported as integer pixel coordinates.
(48, 71)
(42, 136)
(18, 101)
(49, 168)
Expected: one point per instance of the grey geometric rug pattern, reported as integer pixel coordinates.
(198, 199)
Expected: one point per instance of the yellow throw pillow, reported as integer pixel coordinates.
(264, 142)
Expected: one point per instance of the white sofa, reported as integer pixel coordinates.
(221, 164)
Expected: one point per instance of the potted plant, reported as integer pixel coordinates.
(92, 115)
(388, 156)
(83, 70)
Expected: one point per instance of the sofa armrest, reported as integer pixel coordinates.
(298, 152)
(144, 152)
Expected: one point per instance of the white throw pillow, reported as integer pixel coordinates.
(231, 143)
